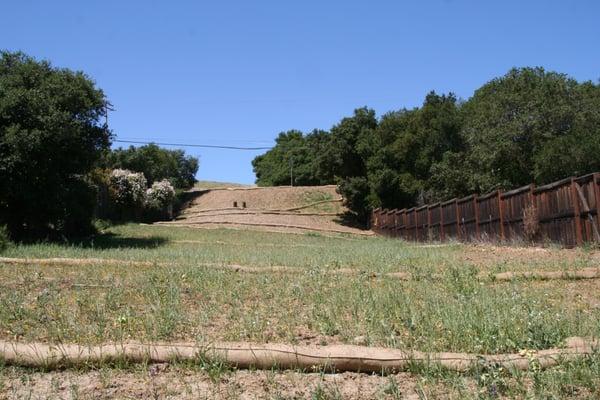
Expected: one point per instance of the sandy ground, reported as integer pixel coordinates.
(272, 198)
(488, 254)
(161, 381)
(215, 208)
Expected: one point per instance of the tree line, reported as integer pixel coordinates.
(56, 156)
(530, 125)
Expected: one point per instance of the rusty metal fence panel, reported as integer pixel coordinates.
(565, 212)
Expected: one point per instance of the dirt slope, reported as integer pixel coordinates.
(284, 208)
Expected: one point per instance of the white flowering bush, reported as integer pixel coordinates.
(127, 191)
(161, 195)
(131, 199)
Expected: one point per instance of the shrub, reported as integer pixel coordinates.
(355, 191)
(4, 238)
(159, 200)
(531, 223)
(127, 191)
(156, 164)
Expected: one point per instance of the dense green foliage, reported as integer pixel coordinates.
(155, 163)
(50, 138)
(526, 126)
(4, 238)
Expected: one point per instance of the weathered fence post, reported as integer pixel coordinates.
(375, 221)
(596, 186)
(576, 212)
(476, 211)
(501, 215)
(458, 233)
(429, 234)
(441, 222)
(416, 223)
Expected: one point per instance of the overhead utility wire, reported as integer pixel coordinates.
(210, 146)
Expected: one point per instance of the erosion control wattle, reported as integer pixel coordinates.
(268, 356)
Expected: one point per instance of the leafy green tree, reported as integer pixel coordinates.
(510, 120)
(293, 157)
(404, 148)
(578, 151)
(341, 158)
(273, 167)
(355, 190)
(156, 164)
(51, 136)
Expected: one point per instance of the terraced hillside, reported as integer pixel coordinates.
(287, 209)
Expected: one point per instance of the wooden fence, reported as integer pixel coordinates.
(564, 212)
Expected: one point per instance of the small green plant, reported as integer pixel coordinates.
(392, 388)
(322, 392)
(215, 367)
(492, 381)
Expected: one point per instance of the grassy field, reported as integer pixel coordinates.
(180, 297)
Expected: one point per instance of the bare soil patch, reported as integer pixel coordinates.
(160, 381)
(488, 254)
(280, 209)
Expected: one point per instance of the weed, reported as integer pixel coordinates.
(325, 392)
(392, 388)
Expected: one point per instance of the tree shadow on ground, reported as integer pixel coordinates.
(349, 219)
(111, 240)
(185, 199)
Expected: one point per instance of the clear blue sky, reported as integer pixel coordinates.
(239, 72)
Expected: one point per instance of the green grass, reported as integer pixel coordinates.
(184, 300)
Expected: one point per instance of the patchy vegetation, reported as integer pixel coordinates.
(181, 298)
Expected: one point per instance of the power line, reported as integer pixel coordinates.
(210, 146)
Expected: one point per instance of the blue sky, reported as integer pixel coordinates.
(239, 72)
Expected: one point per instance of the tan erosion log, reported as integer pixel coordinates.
(189, 215)
(313, 204)
(230, 267)
(584, 273)
(220, 242)
(76, 261)
(268, 356)
(294, 270)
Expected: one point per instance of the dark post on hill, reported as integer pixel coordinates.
(564, 212)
